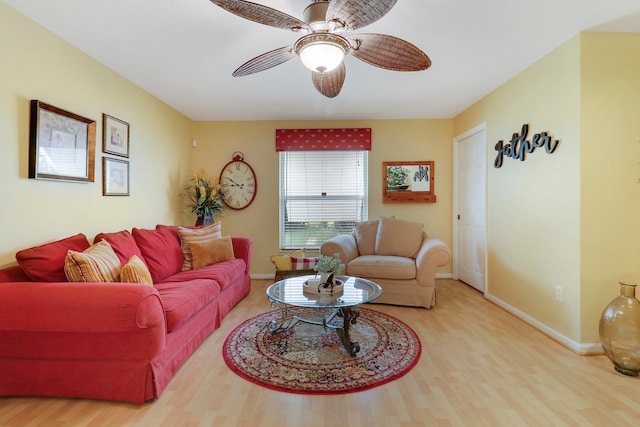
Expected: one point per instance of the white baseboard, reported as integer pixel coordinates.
(444, 276)
(580, 348)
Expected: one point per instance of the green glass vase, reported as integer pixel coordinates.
(620, 331)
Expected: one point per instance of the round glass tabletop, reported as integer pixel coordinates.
(356, 291)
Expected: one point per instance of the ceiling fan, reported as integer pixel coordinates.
(327, 38)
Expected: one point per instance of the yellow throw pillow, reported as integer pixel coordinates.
(98, 263)
(135, 271)
(283, 262)
(192, 235)
(211, 251)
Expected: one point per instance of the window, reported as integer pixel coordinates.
(322, 194)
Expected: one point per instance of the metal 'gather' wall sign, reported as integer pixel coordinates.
(518, 146)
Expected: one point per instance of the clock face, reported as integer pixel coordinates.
(238, 184)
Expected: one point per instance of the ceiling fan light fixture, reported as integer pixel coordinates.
(322, 46)
(321, 52)
(321, 57)
(315, 15)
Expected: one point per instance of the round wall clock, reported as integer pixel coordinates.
(238, 183)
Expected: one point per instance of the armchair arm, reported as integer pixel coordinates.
(344, 245)
(432, 254)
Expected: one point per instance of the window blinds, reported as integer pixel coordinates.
(322, 194)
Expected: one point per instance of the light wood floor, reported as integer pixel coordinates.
(480, 366)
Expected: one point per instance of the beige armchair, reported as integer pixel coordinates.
(396, 254)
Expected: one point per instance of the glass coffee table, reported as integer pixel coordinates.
(291, 292)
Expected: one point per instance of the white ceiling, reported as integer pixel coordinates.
(184, 52)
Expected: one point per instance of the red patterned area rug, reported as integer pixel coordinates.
(310, 359)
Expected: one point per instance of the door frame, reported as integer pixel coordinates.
(482, 127)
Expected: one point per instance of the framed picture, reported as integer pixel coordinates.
(61, 144)
(115, 136)
(115, 177)
(408, 182)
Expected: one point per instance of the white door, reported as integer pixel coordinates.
(470, 213)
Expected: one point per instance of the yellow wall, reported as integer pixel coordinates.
(610, 155)
(533, 240)
(392, 140)
(569, 218)
(34, 64)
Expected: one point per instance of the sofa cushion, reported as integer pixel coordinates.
(160, 250)
(212, 251)
(135, 271)
(224, 273)
(365, 233)
(123, 244)
(382, 267)
(98, 263)
(45, 263)
(191, 235)
(398, 238)
(181, 300)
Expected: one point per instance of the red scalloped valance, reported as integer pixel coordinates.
(323, 139)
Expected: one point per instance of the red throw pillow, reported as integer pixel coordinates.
(303, 263)
(123, 244)
(161, 251)
(45, 263)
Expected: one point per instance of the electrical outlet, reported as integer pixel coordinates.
(559, 293)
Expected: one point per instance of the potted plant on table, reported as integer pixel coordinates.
(329, 267)
(204, 197)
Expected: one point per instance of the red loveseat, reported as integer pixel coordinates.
(113, 341)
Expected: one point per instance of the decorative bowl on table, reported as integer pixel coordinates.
(315, 286)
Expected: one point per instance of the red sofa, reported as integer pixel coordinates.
(113, 341)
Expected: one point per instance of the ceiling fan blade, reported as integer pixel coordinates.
(263, 15)
(265, 61)
(388, 52)
(330, 83)
(357, 13)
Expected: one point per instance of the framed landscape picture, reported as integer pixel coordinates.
(61, 144)
(115, 177)
(115, 136)
(408, 182)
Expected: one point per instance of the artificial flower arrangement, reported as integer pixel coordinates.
(203, 193)
(329, 267)
(329, 264)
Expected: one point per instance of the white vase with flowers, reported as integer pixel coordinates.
(329, 267)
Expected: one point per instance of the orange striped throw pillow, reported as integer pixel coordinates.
(98, 263)
(135, 271)
(211, 251)
(192, 235)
